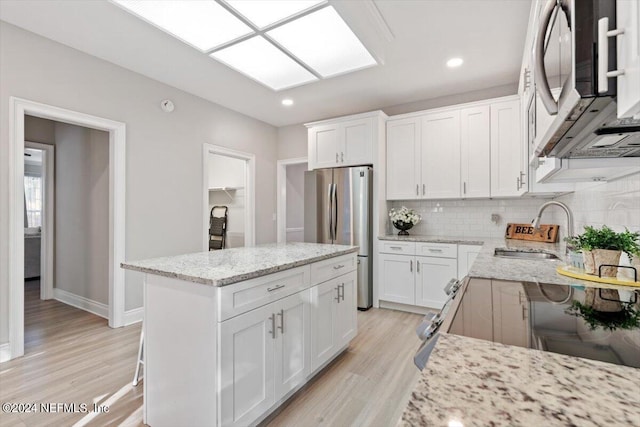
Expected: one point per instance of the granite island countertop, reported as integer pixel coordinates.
(220, 268)
(471, 382)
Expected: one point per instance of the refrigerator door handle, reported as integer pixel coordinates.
(335, 212)
(330, 209)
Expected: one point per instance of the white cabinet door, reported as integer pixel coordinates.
(247, 344)
(432, 275)
(357, 143)
(440, 154)
(507, 145)
(324, 146)
(347, 309)
(403, 159)
(466, 255)
(475, 142)
(628, 51)
(293, 345)
(397, 278)
(324, 322)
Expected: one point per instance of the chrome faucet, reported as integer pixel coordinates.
(536, 222)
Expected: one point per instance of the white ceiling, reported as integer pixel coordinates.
(413, 38)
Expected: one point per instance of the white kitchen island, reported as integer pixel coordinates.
(230, 335)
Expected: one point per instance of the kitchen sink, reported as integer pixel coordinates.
(510, 253)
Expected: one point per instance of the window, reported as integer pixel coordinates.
(33, 200)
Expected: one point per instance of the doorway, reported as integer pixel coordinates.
(290, 203)
(19, 108)
(229, 194)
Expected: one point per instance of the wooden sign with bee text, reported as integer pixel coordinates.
(547, 233)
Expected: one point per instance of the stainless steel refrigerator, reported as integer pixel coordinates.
(337, 209)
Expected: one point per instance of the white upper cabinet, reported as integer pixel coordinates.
(403, 158)
(475, 142)
(441, 155)
(508, 174)
(628, 51)
(345, 141)
(324, 146)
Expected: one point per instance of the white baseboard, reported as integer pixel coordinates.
(134, 315)
(405, 307)
(5, 352)
(97, 308)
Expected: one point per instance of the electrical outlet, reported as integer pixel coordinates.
(495, 218)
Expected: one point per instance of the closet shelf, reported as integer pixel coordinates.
(226, 190)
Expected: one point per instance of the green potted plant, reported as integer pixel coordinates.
(604, 246)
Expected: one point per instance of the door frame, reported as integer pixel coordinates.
(250, 193)
(281, 192)
(18, 108)
(47, 233)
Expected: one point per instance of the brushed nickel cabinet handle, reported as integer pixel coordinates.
(411, 265)
(341, 294)
(424, 189)
(418, 266)
(338, 267)
(273, 326)
(338, 293)
(281, 327)
(396, 247)
(275, 288)
(342, 157)
(464, 188)
(417, 190)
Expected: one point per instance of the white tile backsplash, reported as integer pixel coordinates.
(616, 204)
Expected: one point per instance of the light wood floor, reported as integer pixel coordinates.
(72, 356)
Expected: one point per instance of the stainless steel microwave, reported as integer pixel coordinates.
(575, 49)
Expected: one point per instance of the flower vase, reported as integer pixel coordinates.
(403, 227)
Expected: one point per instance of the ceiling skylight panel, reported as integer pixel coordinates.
(202, 24)
(267, 12)
(260, 60)
(323, 41)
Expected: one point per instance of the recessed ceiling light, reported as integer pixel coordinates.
(262, 61)
(287, 102)
(323, 41)
(454, 62)
(202, 24)
(267, 12)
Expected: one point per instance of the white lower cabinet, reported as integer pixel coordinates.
(264, 354)
(432, 275)
(415, 279)
(247, 369)
(268, 352)
(466, 255)
(334, 317)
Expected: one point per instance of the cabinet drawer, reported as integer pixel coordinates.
(395, 247)
(440, 250)
(241, 297)
(332, 267)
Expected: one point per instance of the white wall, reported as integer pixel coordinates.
(164, 151)
(292, 142)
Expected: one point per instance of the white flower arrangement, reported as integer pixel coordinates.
(404, 214)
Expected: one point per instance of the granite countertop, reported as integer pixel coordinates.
(478, 241)
(471, 382)
(219, 268)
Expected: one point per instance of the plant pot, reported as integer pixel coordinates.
(597, 257)
(593, 299)
(403, 227)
